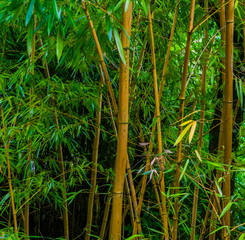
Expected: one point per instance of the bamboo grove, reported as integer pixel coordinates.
(122, 119)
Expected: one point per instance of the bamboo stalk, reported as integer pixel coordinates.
(102, 62)
(6, 146)
(201, 127)
(29, 157)
(147, 167)
(121, 158)
(181, 115)
(60, 158)
(221, 131)
(159, 133)
(228, 103)
(94, 162)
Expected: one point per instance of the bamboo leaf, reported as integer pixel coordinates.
(198, 155)
(55, 9)
(240, 88)
(219, 189)
(30, 33)
(144, 7)
(127, 5)
(185, 123)
(134, 236)
(29, 12)
(227, 207)
(184, 169)
(216, 230)
(182, 134)
(119, 45)
(193, 128)
(59, 46)
(118, 5)
(242, 237)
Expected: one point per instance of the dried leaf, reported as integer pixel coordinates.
(193, 128)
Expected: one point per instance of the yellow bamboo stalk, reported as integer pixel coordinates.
(201, 127)
(181, 115)
(221, 130)
(159, 132)
(94, 162)
(147, 167)
(121, 158)
(102, 62)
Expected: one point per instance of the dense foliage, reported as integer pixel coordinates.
(51, 83)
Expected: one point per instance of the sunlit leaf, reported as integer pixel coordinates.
(193, 128)
(119, 45)
(227, 207)
(198, 155)
(182, 134)
(184, 169)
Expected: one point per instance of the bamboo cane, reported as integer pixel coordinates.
(147, 167)
(6, 146)
(201, 127)
(181, 115)
(94, 162)
(121, 158)
(159, 133)
(29, 157)
(228, 103)
(221, 131)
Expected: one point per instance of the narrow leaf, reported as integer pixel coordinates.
(198, 155)
(182, 134)
(193, 128)
(29, 12)
(184, 169)
(118, 5)
(227, 207)
(185, 123)
(59, 46)
(127, 5)
(240, 88)
(242, 237)
(55, 9)
(30, 33)
(219, 189)
(119, 45)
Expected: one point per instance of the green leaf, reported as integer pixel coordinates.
(50, 23)
(29, 12)
(118, 5)
(240, 88)
(144, 7)
(55, 8)
(70, 17)
(242, 237)
(127, 5)
(182, 134)
(132, 237)
(184, 169)
(30, 32)
(119, 45)
(60, 44)
(219, 189)
(227, 207)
